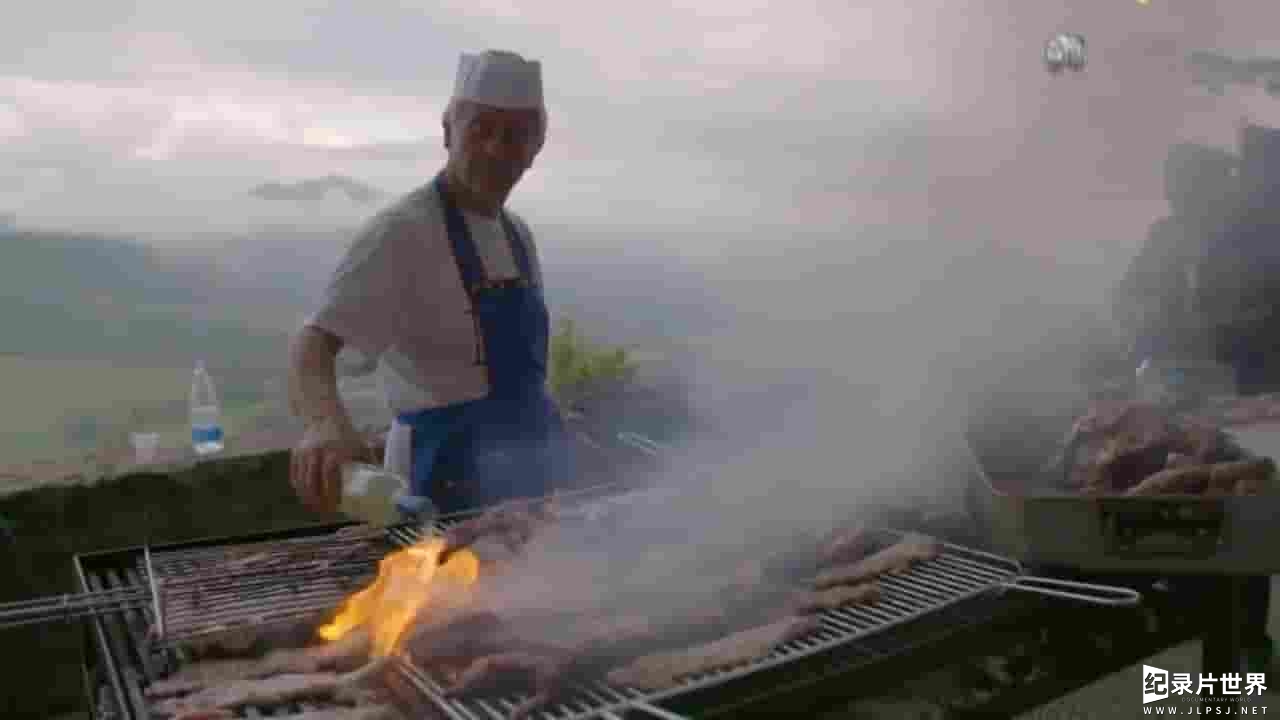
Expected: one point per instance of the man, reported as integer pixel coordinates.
(1241, 292)
(444, 289)
(1159, 297)
(1242, 278)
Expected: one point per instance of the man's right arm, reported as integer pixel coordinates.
(360, 309)
(363, 302)
(313, 381)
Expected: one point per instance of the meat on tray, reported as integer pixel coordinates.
(1243, 477)
(1240, 477)
(895, 559)
(663, 669)
(1139, 449)
(1183, 480)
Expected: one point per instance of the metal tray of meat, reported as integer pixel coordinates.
(1043, 525)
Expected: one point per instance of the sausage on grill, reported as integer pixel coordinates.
(276, 690)
(347, 653)
(660, 670)
(896, 558)
(815, 601)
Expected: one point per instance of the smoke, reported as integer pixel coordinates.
(968, 272)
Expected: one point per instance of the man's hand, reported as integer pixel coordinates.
(315, 467)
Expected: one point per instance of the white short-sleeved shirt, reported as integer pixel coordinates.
(397, 296)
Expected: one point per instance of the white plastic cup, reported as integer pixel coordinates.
(144, 446)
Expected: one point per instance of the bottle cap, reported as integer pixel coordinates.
(416, 508)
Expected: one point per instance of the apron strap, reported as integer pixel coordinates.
(519, 250)
(464, 250)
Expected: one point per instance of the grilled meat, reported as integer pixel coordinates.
(263, 691)
(482, 633)
(208, 673)
(1244, 477)
(346, 654)
(545, 673)
(513, 524)
(363, 712)
(1114, 443)
(539, 651)
(1185, 480)
(815, 601)
(251, 636)
(896, 558)
(845, 545)
(659, 670)
(1241, 477)
(465, 636)
(275, 690)
(1118, 446)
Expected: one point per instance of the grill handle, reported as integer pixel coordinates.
(1109, 595)
(644, 707)
(643, 443)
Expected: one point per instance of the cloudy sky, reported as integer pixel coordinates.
(723, 124)
(789, 144)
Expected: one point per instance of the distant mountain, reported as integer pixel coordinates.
(317, 190)
(235, 300)
(294, 262)
(94, 297)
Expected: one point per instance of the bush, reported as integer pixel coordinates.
(580, 368)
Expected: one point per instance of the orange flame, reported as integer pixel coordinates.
(408, 580)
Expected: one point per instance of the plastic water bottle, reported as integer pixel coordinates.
(206, 417)
(1148, 382)
(1162, 384)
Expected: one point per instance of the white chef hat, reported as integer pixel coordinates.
(499, 79)
(494, 78)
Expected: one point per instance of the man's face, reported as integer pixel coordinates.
(493, 150)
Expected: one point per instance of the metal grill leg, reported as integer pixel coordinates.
(1221, 649)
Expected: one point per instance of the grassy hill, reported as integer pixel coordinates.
(96, 328)
(78, 297)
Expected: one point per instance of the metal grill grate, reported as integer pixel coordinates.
(956, 575)
(131, 662)
(206, 594)
(127, 661)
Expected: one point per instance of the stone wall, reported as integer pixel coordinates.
(226, 497)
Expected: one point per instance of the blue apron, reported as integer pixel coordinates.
(511, 443)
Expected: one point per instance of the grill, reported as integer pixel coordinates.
(207, 595)
(128, 660)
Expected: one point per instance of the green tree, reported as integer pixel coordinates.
(580, 367)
